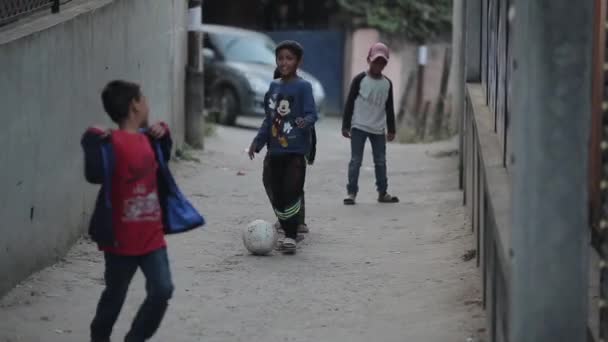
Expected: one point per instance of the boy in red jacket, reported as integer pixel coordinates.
(129, 228)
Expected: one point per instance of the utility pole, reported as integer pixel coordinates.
(194, 77)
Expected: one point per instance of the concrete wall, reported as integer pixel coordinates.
(52, 70)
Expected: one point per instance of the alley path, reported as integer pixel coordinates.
(368, 273)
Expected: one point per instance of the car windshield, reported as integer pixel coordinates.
(246, 49)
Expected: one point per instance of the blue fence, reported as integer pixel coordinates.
(324, 59)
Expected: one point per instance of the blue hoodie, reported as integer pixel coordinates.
(285, 103)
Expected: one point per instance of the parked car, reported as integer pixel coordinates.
(239, 66)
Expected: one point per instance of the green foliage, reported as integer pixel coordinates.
(417, 20)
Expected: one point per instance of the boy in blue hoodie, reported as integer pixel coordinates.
(286, 131)
(127, 223)
(310, 158)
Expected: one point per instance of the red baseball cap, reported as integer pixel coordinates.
(378, 50)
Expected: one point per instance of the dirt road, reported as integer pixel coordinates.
(368, 273)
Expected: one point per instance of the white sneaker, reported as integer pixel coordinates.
(279, 245)
(289, 246)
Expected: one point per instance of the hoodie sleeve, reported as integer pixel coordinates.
(309, 107)
(93, 161)
(390, 111)
(349, 107)
(263, 135)
(261, 139)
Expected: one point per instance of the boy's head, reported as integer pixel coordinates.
(124, 101)
(289, 55)
(377, 58)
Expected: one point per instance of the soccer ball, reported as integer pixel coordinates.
(260, 237)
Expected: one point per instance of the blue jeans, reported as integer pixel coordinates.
(118, 275)
(357, 147)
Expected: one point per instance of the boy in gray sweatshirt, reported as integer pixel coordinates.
(369, 114)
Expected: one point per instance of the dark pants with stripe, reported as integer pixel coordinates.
(302, 214)
(284, 177)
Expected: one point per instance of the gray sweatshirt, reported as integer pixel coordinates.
(369, 106)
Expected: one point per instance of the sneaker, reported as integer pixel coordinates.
(289, 246)
(281, 240)
(303, 228)
(386, 198)
(350, 200)
(279, 245)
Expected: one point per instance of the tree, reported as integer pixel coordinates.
(418, 20)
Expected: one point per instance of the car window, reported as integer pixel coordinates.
(247, 49)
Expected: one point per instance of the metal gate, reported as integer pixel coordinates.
(324, 59)
(11, 10)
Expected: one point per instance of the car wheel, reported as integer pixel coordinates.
(227, 105)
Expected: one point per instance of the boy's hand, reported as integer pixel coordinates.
(251, 151)
(390, 136)
(300, 122)
(157, 130)
(346, 133)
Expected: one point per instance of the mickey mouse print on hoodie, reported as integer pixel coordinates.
(287, 103)
(281, 124)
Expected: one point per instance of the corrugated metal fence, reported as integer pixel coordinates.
(598, 176)
(11, 10)
(486, 119)
(485, 151)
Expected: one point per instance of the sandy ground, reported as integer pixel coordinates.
(368, 273)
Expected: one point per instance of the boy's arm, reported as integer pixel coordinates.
(93, 160)
(161, 133)
(390, 110)
(261, 139)
(349, 107)
(166, 143)
(309, 106)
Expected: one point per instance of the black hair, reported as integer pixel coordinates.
(277, 73)
(117, 97)
(291, 45)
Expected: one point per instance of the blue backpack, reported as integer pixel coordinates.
(179, 215)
